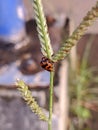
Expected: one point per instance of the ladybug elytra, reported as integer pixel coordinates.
(47, 64)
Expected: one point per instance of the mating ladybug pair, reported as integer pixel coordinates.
(47, 64)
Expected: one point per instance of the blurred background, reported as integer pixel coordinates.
(76, 77)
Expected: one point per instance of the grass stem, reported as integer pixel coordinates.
(50, 101)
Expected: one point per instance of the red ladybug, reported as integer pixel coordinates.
(47, 64)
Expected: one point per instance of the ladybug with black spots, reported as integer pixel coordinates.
(47, 64)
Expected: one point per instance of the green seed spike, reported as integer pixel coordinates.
(77, 34)
(27, 96)
(42, 29)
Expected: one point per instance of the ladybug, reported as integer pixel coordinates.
(47, 64)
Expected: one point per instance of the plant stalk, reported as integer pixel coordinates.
(79, 89)
(50, 101)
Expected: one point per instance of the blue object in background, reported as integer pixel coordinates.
(12, 24)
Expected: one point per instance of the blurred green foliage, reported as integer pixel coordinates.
(83, 88)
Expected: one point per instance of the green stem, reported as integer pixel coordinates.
(50, 101)
(79, 89)
(87, 52)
